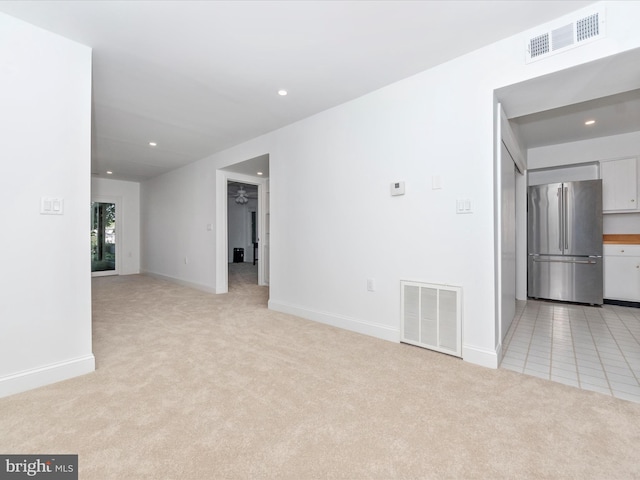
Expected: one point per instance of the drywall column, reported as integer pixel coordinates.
(45, 294)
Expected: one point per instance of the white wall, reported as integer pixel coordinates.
(45, 120)
(127, 195)
(177, 209)
(594, 150)
(571, 173)
(333, 221)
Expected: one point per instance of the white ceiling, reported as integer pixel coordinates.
(552, 109)
(258, 166)
(201, 76)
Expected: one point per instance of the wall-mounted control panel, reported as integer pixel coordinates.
(463, 205)
(51, 206)
(397, 188)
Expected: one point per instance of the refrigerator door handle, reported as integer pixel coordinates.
(565, 233)
(544, 260)
(560, 219)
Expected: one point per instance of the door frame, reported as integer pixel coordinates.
(503, 135)
(222, 226)
(117, 201)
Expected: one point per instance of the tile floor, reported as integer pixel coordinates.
(593, 348)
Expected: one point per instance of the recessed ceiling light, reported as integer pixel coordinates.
(153, 144)
(109, 172)
(282, 93)
(259, 173)
(589, 122)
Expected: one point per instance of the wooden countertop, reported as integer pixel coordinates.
(621, 239)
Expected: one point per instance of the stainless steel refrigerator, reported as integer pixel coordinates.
(565, 241)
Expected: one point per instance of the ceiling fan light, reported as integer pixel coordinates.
(241, 196)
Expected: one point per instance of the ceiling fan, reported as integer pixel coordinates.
(241, 196)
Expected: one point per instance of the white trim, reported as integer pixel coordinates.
(222, 253)
(46, 375)
(222, 234)
(504, 135)
(499, 355)
(382, 332)
(184, 283)
(480, 356)
(497, 223)
(264, 232)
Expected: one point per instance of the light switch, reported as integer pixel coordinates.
(436, 182)
(51, 206)
(463, 205)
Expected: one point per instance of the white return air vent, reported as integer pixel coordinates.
(432, 316)
(564, 36)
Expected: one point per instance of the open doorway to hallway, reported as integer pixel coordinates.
(242, 223)
(242, 233)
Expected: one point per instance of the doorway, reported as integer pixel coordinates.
(508, 173)
(104, 260)
(255, 173)
(577, 345)
(242, 234)
(509, 167)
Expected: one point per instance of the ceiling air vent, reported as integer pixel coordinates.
(539, 45)
(588, 27)
(563, 36)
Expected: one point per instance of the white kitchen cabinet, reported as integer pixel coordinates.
(622, 272)
(619, 185)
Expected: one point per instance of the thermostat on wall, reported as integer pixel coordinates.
(397, 188)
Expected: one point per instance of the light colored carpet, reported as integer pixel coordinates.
(191, 385)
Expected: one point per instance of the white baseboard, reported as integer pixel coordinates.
(471, 354)
(41, 376)
(184, 283)
(480, 356)
(383, 332)
(498, 355)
